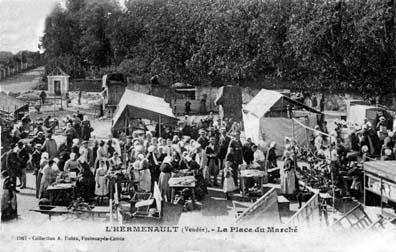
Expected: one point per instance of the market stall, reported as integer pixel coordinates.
(180, 183)
(253, 174)
(269, 116)
(61, 194)
(135, 106)
(380, 183)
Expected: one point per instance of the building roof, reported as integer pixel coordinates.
(138, 105)
(10, 103)
(269, 100)
(385, 169)
(58, 72)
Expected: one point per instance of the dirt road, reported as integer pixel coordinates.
(22, 81)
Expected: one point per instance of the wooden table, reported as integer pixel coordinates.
(252, 173)
(60, 210)
(62, 192)
(182, 182)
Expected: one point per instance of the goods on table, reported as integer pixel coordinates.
(182, 181)
(60, 186)
(252, 173)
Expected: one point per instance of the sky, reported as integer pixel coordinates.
(22, 23)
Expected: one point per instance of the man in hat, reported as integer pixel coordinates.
(43, 96)
(187, 107)
(202, 140)
(80, 115)
(85, 153)
(224, 141)
(23, 157)
(213, 133)
(86, 128)
(77, 125)
(371, 139)
(12, 164)
(35, 161)
(247, 151)
(382, 128)
(237, 155)
(212, 150)
(236, 145)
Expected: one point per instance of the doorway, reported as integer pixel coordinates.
(57, 87)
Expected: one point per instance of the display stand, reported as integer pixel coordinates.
(380, 180)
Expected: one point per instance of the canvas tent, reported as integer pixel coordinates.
(135, 105)
(268, 114)
(12, 106)
(359, 113)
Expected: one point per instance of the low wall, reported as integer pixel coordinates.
(94, 85)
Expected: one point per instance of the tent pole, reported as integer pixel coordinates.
(126, 123)
(282, 109)
(159, 125)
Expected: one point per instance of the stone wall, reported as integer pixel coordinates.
(333, 101)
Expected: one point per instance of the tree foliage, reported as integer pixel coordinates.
(317, 43)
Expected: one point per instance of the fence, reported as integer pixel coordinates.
(89, 85)
(309, 213)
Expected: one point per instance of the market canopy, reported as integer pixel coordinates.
(268, 103)
(266, 117)
(134, 105)
(11, 105)
(359, 114)
(385, 169)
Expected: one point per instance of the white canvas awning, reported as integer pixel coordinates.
(135, 105)
(272, 101)
(265, 117)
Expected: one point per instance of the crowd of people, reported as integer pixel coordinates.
(33, 147)
(211, 150)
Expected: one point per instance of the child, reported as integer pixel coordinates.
(229, 185)
(101, 188)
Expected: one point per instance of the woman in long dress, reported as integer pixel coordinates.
(166, 169)
(144, 173)
(9, 208)
(73, 165)
(288, 176)
(43, 162)
(47, 179)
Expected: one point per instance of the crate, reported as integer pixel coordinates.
(143, 213)
(139, 197)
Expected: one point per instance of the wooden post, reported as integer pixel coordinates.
(159, 125)
(111, 195)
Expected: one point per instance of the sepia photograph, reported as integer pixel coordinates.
(198, 125)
